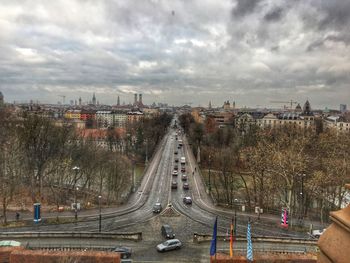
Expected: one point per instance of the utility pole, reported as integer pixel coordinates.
(76, 170)
(100, 216)
(209, 185)
(146, 161)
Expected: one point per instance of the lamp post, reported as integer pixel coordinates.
(302, 199)
(76, 170)
(100, 217)
(209, 184)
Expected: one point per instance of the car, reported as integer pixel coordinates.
(167, 232)
(175, 173)
(186, 186)
(168, 245)
(176, 167)
(157, 208)
(176, 160)
(183, 169)
(173, 185)
(125, 252)
(184, 177)
(187, 200)
(176, 152)
(317, 233)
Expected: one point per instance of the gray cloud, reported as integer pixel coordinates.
(244, 7)
(252, 51)
(274, 14)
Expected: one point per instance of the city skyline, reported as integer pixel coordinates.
(251, 51)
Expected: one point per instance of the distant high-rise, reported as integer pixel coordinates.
(140, 99)
(118, 101)
(342, 108)
(1, 99)
(94, 99)
(79, 101)
(209, 105)
(135, 99)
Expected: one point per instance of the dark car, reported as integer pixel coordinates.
(176, 152)
(167, 231)
(184, 177)
(125, 252)
(174, 185)
(188, 200)
(176, 160)
(186, 186)
(176, 167)
(157, 208)
(183, 169)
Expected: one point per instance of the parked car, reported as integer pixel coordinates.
(176, 160)
(125, 252)
(167, 232)
(184, 177)
(168, 245)
(173, 185)
(186, 186)
(176, 167)
(183, 169)
(187, 200)
(176, 152)
(175, 173)
(157, 208)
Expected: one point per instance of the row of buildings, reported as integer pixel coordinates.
(245, 119)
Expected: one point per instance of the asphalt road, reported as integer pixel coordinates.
(199, 217)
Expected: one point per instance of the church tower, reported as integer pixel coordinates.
(94, 99)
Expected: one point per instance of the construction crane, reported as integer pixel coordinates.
(63, 98)
(291, 102)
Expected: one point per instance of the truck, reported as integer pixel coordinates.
(183, 160)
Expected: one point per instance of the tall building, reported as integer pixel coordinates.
(79, 101)
(1, 99)
(135, 99)
(209, 105)
(118, 101)
(94, 99)
(342, 108)
(227, 105)
(307, 108)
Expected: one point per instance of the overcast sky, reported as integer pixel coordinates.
(176, 51)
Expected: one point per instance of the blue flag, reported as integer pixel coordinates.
(213, 240)
(249, 244)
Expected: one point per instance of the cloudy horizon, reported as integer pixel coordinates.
(249, 51)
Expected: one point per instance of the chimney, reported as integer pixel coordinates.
(140, 99)
(135, 99)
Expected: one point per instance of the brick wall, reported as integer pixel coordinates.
(37, 256)
(5, 253)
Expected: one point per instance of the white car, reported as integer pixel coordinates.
(170, 244)
(317, 233)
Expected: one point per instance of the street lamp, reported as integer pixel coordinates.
(209, 185)
(76, 170)
(100, 217)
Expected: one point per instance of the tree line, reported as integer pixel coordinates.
(300, 170)
(37, 158)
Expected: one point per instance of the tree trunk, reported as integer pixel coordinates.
(247, 190)
(4, 209)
